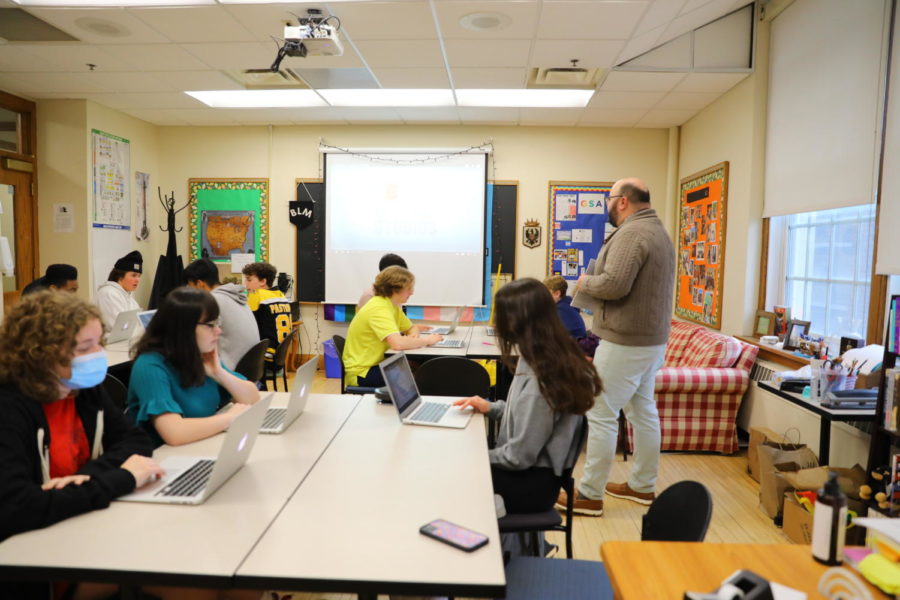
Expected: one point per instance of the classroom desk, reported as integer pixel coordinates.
(353, 526)
(118, 353)
(665, 570)
(482, 345)
(139, 544)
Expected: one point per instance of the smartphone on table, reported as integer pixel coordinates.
(454, 535)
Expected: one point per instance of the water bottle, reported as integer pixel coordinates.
(829, 523)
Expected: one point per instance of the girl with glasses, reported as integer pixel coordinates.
(178, 381)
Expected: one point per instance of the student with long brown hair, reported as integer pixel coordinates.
(553, 385)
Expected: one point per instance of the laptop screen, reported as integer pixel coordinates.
(146, 317)
(399, 379)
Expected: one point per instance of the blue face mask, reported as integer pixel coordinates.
(88, 371)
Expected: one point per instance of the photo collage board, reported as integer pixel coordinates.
(578, 227)
(700, 247)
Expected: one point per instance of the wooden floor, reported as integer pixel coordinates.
(736, 514)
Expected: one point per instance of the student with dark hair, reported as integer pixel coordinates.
(380, 325)
(388, 260)
(57, 278)
(117, 293)
(178, 381)
(553, 384)
(270, 308)
(239, 330)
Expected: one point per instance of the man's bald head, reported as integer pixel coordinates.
(626, 197)
(633, 189)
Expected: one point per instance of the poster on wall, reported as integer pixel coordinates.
(111, 168)
(578, 221)
(229, 216)
(701, 246)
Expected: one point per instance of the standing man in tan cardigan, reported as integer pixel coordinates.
(632, 284)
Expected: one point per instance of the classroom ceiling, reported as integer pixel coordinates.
(659, 61)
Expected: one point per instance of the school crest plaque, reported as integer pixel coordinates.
(531, 234)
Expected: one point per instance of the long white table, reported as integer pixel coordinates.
(353, 526)
(137, 543)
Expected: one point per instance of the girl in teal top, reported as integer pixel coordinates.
(178, 382)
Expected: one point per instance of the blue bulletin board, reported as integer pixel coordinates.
(577, 226)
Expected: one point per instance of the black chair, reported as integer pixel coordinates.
(681, 513)
(550, 520)
(453, 376)
(339, 342)
(278, 361)
(253, 364)
(116, 390)
(529, 578)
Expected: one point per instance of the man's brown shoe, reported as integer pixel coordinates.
(621, 490)
(581, 506)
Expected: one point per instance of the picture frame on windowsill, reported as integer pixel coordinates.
(764, 323)
(792, 334)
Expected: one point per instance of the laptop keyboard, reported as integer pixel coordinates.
(449, 344)
(430, 412)
(191, 481)
(490, 331)
(274, 418)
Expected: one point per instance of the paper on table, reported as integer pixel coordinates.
(582, 300)
(887, 527)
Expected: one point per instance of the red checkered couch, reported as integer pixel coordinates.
(700, 387)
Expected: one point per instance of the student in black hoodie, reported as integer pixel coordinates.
(65, 449)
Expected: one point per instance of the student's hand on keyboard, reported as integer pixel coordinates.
(143, 468)
(432, 338)
(477, 403)
(58, 483)
(234, 410)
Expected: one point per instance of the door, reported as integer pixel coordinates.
(17, 224)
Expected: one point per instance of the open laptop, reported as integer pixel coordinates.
(448, 330)
(414, 409)
(193, 479)
(279, 419)
(123, 328)
(145, 316)
(448, 344)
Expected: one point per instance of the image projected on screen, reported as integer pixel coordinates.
(430, 213)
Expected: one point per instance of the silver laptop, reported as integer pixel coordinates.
(123, 328)
(448, 330)
(414, 409)
(448, 344)
(192, 479)
(145, 317)
(278, 419)
(490, 331)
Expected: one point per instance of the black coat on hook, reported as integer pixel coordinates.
(170, 269)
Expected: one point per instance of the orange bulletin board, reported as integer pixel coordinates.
(701, 246)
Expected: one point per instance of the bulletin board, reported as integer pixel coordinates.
(229, 216)
(577, 226)
(701, 246)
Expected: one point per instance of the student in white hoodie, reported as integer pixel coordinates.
(117, 293)
(239, 331)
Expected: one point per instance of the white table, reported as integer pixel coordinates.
(353, 526)
(137, 543)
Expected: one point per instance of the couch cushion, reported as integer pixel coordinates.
(712, 350)
(679, 335)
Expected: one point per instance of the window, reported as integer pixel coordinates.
(825, 267)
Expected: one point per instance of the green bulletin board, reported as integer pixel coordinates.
(229, 216)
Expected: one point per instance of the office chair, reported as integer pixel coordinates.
(550, 519)
(530, 578)
(278, 361)
(252, 364)
(453, 376)
(116, 390)
(681, 513)
(339, 342)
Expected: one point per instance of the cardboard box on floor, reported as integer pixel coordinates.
(798, 522)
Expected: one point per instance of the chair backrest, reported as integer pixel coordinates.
(339, 342)
(453, 376)
(681, 513)
(282, 349)
(116, 390)
(252, 364)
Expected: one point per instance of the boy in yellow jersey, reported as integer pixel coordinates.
(270, 308)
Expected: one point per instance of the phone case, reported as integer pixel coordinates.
(454, 535)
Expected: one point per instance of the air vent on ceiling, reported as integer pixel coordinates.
(264, 79)
(564, 77)
(16, 25)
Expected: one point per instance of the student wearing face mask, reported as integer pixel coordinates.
(65, 449)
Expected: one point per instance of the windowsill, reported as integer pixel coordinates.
(776, 355)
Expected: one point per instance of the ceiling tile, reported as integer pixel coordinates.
(240, 55)
(74, 58)
(386, 20)
(131, 82)
(265, 21)
(639, 100)
(16, 86)
(496, 116)
(611, 117)
(63, 82)
(687, 100)
(156, 57)
(709, 82)
(370, 115)
(203, 116)
(590, 54)
(690, 5)
(150, 100)
(261, 116)
(659, 13)
(639, 45)
(689, 21)
(16, 57)
(589, 20)
(401, 53)
(338, 79)
(522, 19)
(320, 114)
(157, 116)
(349, 60)
(489, 78)
(196, 80)
(566, 117)
(658, 117)
(100, 26)
(488, 53)
(631, 81)
(436, 115)
(194, 24)
(425, 78)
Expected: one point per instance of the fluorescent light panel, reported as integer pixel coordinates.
(524, 98)
(258, 98)
(388, 97)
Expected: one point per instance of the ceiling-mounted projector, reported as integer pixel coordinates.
(312, 39)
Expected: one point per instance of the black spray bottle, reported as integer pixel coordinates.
(829, 523)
